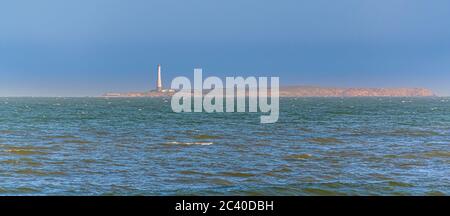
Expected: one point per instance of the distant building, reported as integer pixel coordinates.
(159, 86)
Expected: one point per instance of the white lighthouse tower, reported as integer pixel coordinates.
(159, 86)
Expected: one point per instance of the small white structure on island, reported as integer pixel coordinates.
(159, 86)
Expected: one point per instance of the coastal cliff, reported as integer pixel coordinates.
(308, 91)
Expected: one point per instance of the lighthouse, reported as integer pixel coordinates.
(159, 87)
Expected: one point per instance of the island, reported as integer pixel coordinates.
(310, 91)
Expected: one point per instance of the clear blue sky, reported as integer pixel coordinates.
(88, 47)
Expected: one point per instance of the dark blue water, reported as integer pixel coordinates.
(320, 146)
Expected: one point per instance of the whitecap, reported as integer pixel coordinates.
(191, 143)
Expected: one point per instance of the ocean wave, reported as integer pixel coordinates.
(192, 172)
(237, 174)
(19, 190)
(221, 182)
(75, 141)
(298, 157)
(24, 151)
(191, 143)
(412, 133)
(323, 140)
(61, 137)
(21, 161)
(205, 136)
(39, 172)
(7, 132)
(440, 154)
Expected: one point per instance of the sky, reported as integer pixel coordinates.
(89, 47)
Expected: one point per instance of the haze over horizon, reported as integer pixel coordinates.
(87, 48)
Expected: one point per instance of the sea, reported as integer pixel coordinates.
(139, 146)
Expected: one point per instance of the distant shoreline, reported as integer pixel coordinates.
(285, 91)
(309, 91)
